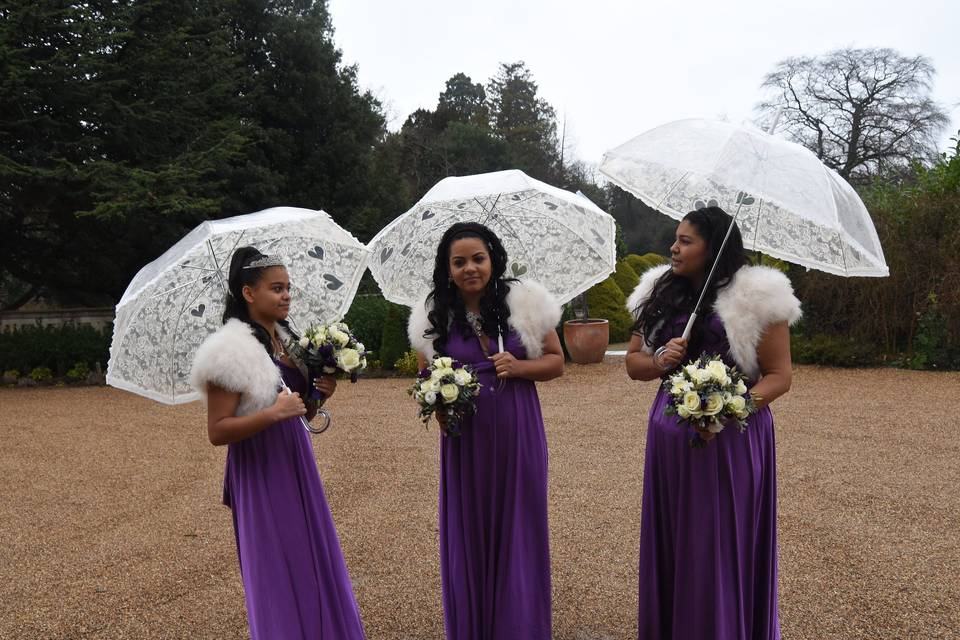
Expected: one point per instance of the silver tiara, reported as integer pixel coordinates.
(265, 261)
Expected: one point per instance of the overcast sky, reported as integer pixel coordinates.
(616, 68)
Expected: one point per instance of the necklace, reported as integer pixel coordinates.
(279, 351)
(475, 320)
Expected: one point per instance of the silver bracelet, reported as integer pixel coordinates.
(656, 359)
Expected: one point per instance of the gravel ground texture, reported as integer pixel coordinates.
(111, 524)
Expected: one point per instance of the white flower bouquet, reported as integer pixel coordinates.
(330, 349)
(707, 394)
(446, 386)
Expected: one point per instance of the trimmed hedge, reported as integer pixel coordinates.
(647, 261)
(57, 348)
(606, 300)
(394, 342)
(365, 318)
(626, 277)
(830, 350)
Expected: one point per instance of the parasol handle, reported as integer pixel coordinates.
(323, 414)
(689, 327)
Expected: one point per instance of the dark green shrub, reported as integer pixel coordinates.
(626, 277)
(394, 342)
(41, 374)
(80, 371)
(831, 350)
(606, 300)
(57, 348)
(641, 263)
(366, 319)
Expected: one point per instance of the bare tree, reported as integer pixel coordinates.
(862, 111)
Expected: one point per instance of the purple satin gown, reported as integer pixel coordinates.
(708, 534)
(295, 580)
(494, 542)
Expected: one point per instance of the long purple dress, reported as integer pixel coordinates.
(708, 534)
(494, 542)
(294, 578)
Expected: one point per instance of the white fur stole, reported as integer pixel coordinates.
(756, 298)
(533, 313)
(233, 359)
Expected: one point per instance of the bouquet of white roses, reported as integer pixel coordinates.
(707, 394)
(330, 349)
(446, 386)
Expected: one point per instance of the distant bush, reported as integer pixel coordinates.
(626, 277)
(606, 300)
(831, 350)
(80, 371)
(41, 374)
(640, 264)
(365, 318)
(393, 341)
(57, 348)
(408, 364)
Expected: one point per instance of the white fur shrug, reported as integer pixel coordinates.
(233, 359)
(533, 313)
(756, 298)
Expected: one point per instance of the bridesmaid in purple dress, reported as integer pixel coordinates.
(494, 541)
(294, 577)
(708, 533)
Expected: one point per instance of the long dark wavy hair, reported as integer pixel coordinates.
(673, 295)
(445, 295)
(236, 306)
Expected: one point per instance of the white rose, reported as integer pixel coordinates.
(691, 401)
(683, 412)
(340, 337)
(462, 377)
(430, 397)
(718, 371)
(449, 392)
(431, 385)
(737, 404)
(691, 370)
(741, 388)
(361, 348)
(348, 359)
(702, 377)
(304, 342)
(714, 404)
(445, 362)
(678, 389)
